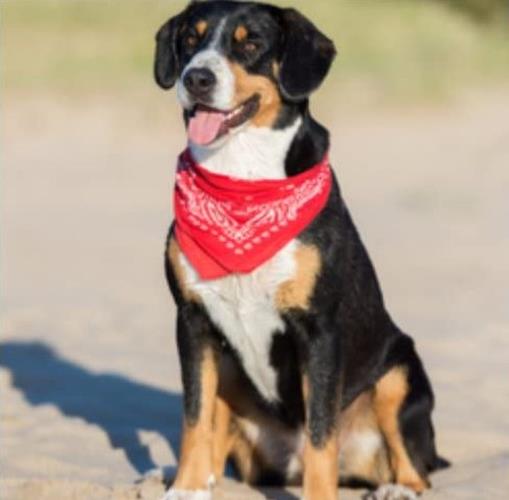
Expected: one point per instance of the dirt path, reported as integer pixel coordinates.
(89, 374)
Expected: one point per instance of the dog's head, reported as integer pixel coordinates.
(239, 64)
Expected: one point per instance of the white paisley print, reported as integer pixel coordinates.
(236, 224)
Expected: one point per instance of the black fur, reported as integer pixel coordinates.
(304, 47)
(346, 340)
(284, 33)
(167, 60)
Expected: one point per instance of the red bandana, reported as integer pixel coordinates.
(226, 225)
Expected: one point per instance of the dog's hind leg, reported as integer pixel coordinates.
(391, 392)
(415, 419)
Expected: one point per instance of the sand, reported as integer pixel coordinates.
(89, 375)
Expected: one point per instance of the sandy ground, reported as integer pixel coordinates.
(88, 370)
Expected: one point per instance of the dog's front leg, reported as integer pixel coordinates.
(200, 379)
(321, 398)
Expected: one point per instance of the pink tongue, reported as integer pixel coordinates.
(204, 126)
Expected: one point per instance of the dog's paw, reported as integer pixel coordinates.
(182, 494)
(174, 494)
(391, 492)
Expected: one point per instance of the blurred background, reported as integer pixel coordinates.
(418, 107)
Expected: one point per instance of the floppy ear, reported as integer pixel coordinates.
(166, 63)
(306, 58)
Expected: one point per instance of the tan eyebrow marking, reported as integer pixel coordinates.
(201, 27)
(240, 33)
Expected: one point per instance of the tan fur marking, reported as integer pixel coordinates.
(296, 292)
(201, 27)
(224, 436)
(252, 452)
(173, 254)
(240, 405)
(390, 392)
(321, 470)
(358, 419)
(195, 465)
(305, 389)
(357, 415)
(247, 85)
(254, 455)
(240, 33)
(275, 69)
(246, 459)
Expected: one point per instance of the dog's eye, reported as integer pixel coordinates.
(191, 41)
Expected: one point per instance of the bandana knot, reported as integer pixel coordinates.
(227, 225)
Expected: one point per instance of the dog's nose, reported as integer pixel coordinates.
(199, 81)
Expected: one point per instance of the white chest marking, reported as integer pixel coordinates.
(249, 153)
(243, 307)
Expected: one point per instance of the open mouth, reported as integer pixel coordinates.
(206, 125)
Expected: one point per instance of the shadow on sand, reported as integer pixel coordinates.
(120, 406)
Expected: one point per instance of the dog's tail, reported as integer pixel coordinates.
(440, 463)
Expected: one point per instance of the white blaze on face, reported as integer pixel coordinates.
(222, 97)
(245, 151)
(211, 58)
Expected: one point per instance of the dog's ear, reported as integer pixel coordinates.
(307, 55)
(166, 63)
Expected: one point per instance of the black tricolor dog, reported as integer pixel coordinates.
(295, 371)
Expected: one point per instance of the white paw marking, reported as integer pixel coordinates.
(174, 494)
(391, 492)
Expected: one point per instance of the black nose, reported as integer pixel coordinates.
(199, 81)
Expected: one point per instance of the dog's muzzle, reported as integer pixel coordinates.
(200, 83)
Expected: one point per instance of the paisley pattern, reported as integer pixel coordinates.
(229, 216)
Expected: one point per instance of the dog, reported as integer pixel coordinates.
(291, 367)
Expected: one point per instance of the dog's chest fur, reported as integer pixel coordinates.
(244, 308)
